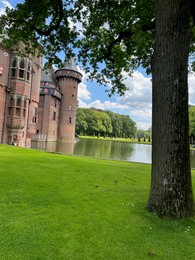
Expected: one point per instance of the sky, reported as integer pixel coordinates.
(137, 101)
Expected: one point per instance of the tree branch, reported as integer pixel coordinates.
(123, 35)
(55, 22)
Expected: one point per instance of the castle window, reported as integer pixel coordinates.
(18, 102)
(13, 66)
(54, 115)
(21, 68)
(24, 108)
(24, 112)
(55, 102)
(70, 107)
(10, 111)
(10, 108)
(18, 106)
(25, 103)
(34, 120)
(28, 71)
(11, 102)
(17, 111)
(70, 120)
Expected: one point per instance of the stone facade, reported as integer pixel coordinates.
(34, 104)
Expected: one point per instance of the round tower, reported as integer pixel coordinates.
(68, 78)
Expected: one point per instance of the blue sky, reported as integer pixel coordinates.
(137, 101)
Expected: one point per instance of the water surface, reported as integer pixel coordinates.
(105, 149)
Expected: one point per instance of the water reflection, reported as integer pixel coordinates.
(58, 147)
(100, 149)
(104, 149)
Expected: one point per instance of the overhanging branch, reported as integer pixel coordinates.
(125, 35)
(55, 21)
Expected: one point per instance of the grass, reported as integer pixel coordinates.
(126, 140)
(66, 207)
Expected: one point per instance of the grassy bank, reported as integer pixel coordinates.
(127, 140)
(66, 207)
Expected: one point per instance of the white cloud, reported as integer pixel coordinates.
(82, 104)
(83, 92)
(139, 88)
(143, 125)
(143, 114)
(3, 5)
(106, 105)
(191, 84)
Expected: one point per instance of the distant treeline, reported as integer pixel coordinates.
(192, 124)
(95, 122)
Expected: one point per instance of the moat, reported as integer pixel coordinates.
(104, 149)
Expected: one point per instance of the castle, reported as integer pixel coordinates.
(34, 104)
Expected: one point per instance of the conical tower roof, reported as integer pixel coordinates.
(70, 65)
(69, 70)
(47, 76)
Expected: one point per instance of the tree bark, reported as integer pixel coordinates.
(171, 186)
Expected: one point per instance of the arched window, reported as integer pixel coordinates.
(70, 107)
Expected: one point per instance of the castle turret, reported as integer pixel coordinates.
(68, 78)
(49, 105)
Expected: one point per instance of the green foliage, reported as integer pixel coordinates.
(81, 122)
(65, 207)
(117, 34)
(144, 134)
(192, 120)
(104, 123)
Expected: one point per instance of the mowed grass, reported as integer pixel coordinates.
(66, 207)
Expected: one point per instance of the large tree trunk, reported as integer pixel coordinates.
(171, 187)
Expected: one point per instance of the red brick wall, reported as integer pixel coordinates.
(4, 62)
(69, 88)
(46, 123)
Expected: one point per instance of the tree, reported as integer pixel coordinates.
(124, 35)
(81, 122)
(106, 122)
(192, 120)
(129, 126)
(117, 124)
(171, 188)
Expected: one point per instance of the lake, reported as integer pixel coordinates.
(105, 149)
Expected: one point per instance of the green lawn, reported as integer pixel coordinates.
(66, 207)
